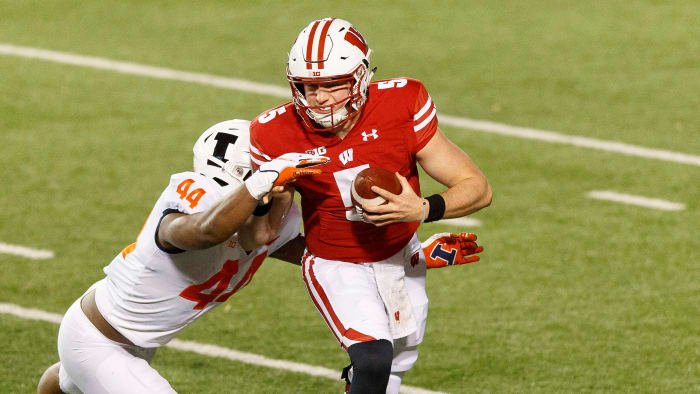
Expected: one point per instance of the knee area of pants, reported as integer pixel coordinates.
(373, 356)
(404, 360)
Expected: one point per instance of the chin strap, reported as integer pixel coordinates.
(331, 119)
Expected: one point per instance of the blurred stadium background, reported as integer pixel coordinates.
(573, 294)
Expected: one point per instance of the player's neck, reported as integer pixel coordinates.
(345, 128)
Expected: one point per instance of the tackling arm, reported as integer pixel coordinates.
(218, 223)
(441, 250)
(205, 229)
(260, 229)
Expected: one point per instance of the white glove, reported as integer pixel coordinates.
(282, 170)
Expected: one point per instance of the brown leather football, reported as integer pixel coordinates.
(362, 193)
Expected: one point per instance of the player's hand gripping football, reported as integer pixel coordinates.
(404, 207)
(445, 249)
(281, 171)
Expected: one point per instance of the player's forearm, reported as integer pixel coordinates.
(211, 227)
(221, 221)
(467, 196)
(261, 228)
(279, 209)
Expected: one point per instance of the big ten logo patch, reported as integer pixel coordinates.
(320, 151)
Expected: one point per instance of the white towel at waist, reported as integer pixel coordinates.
(390, 282)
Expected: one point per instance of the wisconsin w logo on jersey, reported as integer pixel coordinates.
(346, 156)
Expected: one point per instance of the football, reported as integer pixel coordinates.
(361, 188)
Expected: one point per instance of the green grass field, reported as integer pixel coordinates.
(572, 294)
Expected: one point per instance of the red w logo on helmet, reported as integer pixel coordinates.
(355, 38)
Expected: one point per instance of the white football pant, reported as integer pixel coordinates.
(91, 363)
(347, 297)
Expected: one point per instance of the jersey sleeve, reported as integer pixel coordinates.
(289, 230)
(187, 193)
(425, 121)
(190, 193)
(259, 146)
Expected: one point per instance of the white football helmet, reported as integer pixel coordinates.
(329, 50)
(222, 153)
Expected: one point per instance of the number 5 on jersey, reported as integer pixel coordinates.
(343, 180)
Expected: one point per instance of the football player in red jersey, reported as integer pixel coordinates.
(365, 272)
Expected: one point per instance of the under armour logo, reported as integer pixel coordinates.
(366, 135)
(231, 243)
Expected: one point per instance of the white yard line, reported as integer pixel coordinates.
(629, 199)
(559, 138)
(276, 91)
(17, 250)
(213, 350)
(143, 70)
(28, 313)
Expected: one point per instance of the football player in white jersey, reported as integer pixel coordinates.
(199, 245)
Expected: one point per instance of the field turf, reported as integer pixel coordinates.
(572, 294)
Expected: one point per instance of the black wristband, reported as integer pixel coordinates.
(262, 209)
(437, 208)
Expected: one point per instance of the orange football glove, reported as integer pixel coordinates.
(303, 162)
(445, 249)
(282, 170)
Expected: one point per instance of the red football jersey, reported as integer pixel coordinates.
(398, 119)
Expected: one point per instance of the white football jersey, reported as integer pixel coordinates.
(150, 294)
